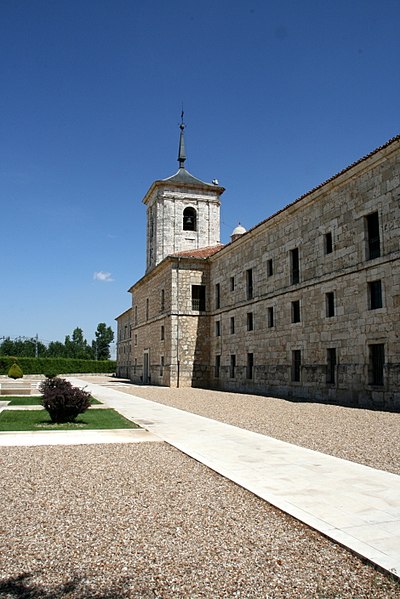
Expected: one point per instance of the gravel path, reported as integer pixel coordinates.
(145, 521)
(364, 436)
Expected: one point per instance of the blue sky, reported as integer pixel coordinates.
(278, 96)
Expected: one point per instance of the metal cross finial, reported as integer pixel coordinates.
(181, 151)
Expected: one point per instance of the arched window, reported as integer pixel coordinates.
(189, 219)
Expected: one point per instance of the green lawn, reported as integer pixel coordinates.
(30, 401)
(24, 420)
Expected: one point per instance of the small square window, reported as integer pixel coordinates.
(218, 328)
(330, 304)
(296, 311)
(217, 365)
(296, 365)
(328, 243)
(375, 295)
(330, 365)
(376, 364)
(232, 325)
(232, 368)
(250, 366)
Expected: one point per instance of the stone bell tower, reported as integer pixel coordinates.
(183, 212)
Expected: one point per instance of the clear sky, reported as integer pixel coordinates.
(278, 97)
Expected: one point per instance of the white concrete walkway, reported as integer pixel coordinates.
(357, 506)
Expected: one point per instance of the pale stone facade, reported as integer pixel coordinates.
(305, 304)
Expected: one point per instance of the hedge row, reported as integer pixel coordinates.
(56, 365)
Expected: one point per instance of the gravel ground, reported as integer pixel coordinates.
(364, 436)
(146, 521)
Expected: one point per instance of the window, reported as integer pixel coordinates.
(161, 365)
(270, 268)
(270, 317)
(135, 340)
(218, 328)
(296, 365)
(331, 365)
(232, 283)
(162, 300)
(162, 333)
(250, 366)
(250, 321)
(375, 295)
(328, 244)
(198, 297)
(217, 296)
(376, 362)
(330, 304)
(232, 325)
(147, 309)
(296, 311)
(189, 219)
(135, 366)
(136, 315)
(249, 283)
(217, 365)
(232, 367)
(294, 266)
(373, 241)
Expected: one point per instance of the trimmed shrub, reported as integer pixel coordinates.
(63, 401)
(58, 365)
(15, 372)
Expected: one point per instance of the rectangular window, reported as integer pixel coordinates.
(232, 367)
(250, 321)
(330, 304)
(376, 363)
(328, 244)
(331, 365)
(375, 295)
(162, 300)
(232, 325)
(270, 268)
(136, 315)
(249, 283)
(135, 340)
(296, 311)
(217, 365)
(296, 365)
(162, 333)
(250, 366)
(135, 366)
(270, 317)
(218, 328)
(147, 309)
(373, 241)
(199, 297)
(217, 296)
(232, 283)
(161, 365)
(294, 266)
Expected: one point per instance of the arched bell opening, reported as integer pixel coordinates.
(189, 219)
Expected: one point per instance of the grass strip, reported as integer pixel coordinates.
(32, 401)
(40, 421)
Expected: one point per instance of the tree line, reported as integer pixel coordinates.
(74, 346)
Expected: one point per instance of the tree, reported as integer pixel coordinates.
(101, 345)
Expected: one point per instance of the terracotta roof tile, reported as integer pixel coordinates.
(205, 252)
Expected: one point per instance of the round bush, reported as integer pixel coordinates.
(15, 372)
(63, 401)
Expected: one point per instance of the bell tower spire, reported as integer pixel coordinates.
(181, 150)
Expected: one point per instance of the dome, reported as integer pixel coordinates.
(237, 232)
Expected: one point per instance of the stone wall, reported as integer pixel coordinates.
(338, 209)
